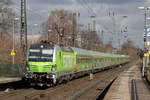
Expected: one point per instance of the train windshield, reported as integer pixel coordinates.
(40, 55)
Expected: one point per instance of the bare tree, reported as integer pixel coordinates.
(58, 27)
(108, 48)
(7, 16)
(129, 49)
(90, 40)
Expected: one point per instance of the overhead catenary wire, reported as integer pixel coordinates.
(28, 9)
(83, 3)
(91, 11)
(99, 22)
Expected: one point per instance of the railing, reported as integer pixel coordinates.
(11, 70)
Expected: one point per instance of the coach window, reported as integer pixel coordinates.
(78, 60)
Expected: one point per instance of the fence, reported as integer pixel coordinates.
(11, 70)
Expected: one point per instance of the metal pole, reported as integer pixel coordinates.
(23, 30)
(119, 46)
(89, 27)
(25, 22)
(58, 39)
(147, 57)
(102, 35)
(78, 26)
(94, 24)
(146, 45)
(146, 25)
(114, 28)
(73, 29)
(13, 40)
(48, 35)
(94, 32)
(143, 66)
(32, 35)
(93, 35)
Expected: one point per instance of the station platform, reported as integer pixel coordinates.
(129, 86)
(4, 80)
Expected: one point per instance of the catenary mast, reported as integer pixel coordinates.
(23, 30)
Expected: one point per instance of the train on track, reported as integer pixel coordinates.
(49, 64)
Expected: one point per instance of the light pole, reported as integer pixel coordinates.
(112, 16)
(73, 28)
(93, 30)
(79, 29)
(120, 35)
(34, 25)
(145, 59)
(13, 50)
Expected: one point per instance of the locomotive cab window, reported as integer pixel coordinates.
(36, 53)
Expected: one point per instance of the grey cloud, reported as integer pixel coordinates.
(134, 21)
(54, 2)
(111, 1)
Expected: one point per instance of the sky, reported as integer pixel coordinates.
(38, 12)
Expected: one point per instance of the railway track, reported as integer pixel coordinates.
(98, 89)
(76, 89)
(104, 91)
(134, 90)
(14, 89)
(94, 88)
(21, 94)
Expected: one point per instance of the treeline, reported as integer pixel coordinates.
(7, 16)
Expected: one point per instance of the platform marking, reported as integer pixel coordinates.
(123, 90)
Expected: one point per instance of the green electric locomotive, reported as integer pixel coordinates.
(48, 64)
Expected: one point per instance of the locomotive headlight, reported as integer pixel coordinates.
(28, 75)
(27, 68)
(53, 68)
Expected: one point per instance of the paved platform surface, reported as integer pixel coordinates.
(129, 86)
(8, 80)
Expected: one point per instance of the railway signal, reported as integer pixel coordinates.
(147, 33)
